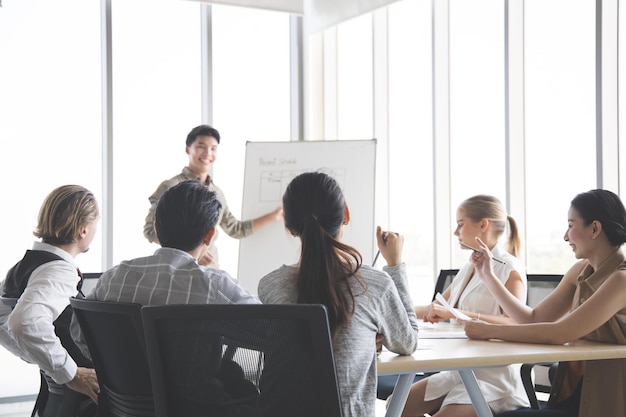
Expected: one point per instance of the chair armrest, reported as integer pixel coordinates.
(527, 380)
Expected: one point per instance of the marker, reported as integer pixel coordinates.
(479, 251)
(378, 253)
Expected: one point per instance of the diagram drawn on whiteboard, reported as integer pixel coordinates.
(272, 184)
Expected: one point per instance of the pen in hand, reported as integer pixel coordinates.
(479, 251)
(378, 253)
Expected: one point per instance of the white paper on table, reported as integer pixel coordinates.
(451, 309)
(447, 332)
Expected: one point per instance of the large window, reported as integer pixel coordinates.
(50, 128)
(157, 100)
(560, 123)
(354, 79)
(410, 140)
(477, 133)
(250, 98)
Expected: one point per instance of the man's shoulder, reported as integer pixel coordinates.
(215, 273)
(217, 190)
(221, 278)
(176, 179)
(170, 182)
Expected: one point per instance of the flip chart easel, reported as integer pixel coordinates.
(270, 166)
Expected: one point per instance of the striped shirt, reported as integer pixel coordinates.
(170, 276)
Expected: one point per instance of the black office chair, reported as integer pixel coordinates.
(445, 278)
(90, 279)
(282, 365)
(386, 383)
(539, 286)
(538, 377)
(114, 335)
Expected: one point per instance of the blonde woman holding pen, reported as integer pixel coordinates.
(443, 394)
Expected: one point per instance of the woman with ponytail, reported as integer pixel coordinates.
(362, 302)
(443, 394)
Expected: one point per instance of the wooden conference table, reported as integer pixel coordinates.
(464, 355)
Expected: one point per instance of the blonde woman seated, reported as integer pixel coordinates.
(443, 394)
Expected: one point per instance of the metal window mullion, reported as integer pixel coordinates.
(443, 217)
(296, 63)
(515, 115)
(106, 54)
(206, 56)
(607, 138)
(380, 110)
(331, 84)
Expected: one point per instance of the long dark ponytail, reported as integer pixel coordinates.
(314, 208)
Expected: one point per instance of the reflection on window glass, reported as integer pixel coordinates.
(354, 78)
(410, 140)
(156, 102)
(50, 128)
(560, 123)
(250, 97)
(477, 131)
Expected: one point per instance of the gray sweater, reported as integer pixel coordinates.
(385, 307)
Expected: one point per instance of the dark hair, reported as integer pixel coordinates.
(314, 207)
(202, 130)
(184, 215)
(605, 207)
(488, 207)
(64, 212)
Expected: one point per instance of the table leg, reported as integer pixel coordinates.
(477, 397)
(400, 394)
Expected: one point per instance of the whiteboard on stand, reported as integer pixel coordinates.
(270, 166)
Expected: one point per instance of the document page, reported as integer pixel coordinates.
(453, 310)
(441, 330)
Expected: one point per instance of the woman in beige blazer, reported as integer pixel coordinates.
(589, 303)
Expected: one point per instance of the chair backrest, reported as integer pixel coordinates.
(444, 280)
(538, 378)
(90, 279)
(539, 286)
(114, 335)
(241, 360)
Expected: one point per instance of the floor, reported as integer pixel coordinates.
(25, 408)
(22, 409)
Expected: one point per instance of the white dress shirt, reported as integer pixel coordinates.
(28, 331)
